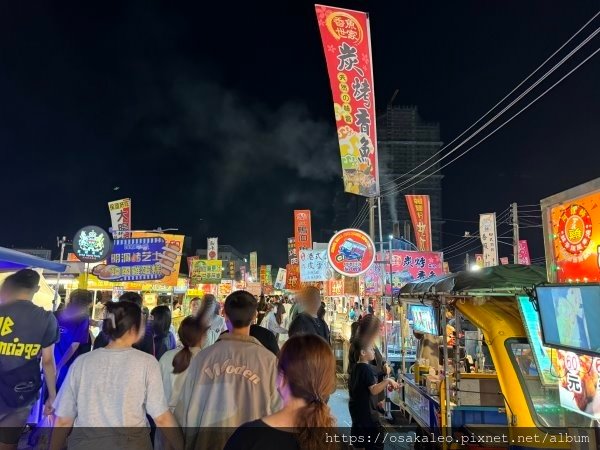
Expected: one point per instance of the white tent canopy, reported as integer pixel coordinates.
(44, 296)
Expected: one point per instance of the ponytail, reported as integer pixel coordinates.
(315, 421)
(182, 360)
(191, 333)
(308, 366)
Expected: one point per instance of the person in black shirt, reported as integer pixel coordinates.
(306, 380)
(308, 321)
(363, 389)
(265, 337)
(28, 335)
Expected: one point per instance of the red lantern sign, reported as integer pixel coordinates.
(351, 252)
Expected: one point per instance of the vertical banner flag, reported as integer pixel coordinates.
(292, 280)
(254, 266)
(292, 253)
(120, 217)
(524, 253)
(268, 277)
(212, 248)
(489, 240)
(263, 275)
(420, 215)
(280, 281)
(302, 230)
(232, 270)
(243, 275)
(346, 41)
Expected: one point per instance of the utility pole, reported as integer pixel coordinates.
(61, 244)
(467, 262)
(372, 218)
(515, 224)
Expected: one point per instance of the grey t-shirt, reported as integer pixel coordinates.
(112, 388)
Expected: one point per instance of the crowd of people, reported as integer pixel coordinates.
(221, 382)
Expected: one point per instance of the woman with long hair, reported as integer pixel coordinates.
(160, 327)
(306, 380)
(174, 363)
(111, 391)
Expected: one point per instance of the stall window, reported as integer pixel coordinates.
(544, 402)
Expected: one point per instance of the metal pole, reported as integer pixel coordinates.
(446, 375)
(372, 218)
(57, 287)
(515, 224)
(467, 262)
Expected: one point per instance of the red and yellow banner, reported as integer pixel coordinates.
(292, 280)
(302, 230)
(420, 215)
(346, 41)
(576, 239)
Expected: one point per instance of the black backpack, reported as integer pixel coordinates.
(20, 387)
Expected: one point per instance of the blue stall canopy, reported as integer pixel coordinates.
(11, 260)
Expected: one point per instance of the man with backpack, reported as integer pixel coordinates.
(27, 334)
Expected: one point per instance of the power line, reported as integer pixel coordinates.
(502, 100)
(400, 187)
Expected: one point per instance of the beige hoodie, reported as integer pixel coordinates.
(229, 383)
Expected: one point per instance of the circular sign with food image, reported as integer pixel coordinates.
(351, 252)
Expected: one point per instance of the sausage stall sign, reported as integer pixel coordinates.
(346, 42)
(351, 252)
(571, 222)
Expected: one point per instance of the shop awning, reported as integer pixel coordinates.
(14, 260)
(505, 277)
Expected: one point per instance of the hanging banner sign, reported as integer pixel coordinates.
(446, 267)
(292, 281)
(420, 214)
(91, 244)
(120, 217)
(268, 277)
(410, 266)
(578, 386)
(292, 252)
(232, 270)
(207, 271)
(280, 281)
(302, 230)
(212, 248)
(143, 256)
(351, 252)
(314, 265)
(524, 253)
(335, 287)
(254, 288)
(373, 280)
(225, 288)
(254, 266)
(489, 240)
(346, 41)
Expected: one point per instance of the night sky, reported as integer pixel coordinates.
(217, 118)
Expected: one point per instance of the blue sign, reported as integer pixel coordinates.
(139, 259)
